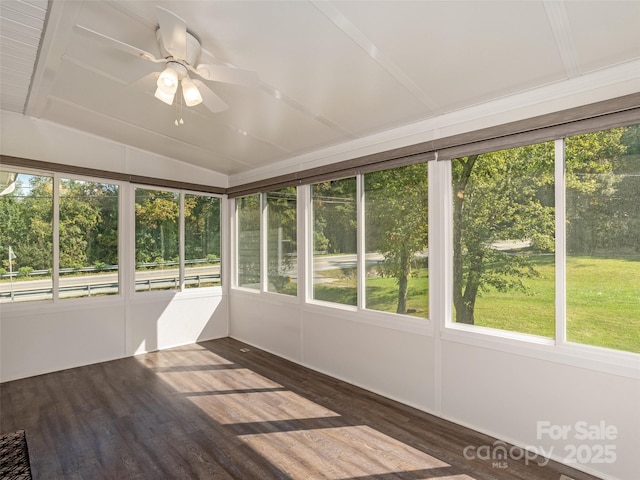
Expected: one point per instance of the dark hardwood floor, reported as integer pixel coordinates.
(212, 411)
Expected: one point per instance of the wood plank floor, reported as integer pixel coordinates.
(212, 411)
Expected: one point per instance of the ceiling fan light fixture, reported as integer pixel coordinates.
(168, 80)
(166, 97)
(192, 96)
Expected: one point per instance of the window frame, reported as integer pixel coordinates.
(56, 178)
(310, 299)
(264, 248)
(265, 259)
(184, 231)
(181, 289)
(559, 348)
(121, 225)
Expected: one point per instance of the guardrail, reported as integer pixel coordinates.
(63, 271)
(105, 287)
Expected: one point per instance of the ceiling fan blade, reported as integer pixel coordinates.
(117, 44)
(145, 83)
(226, 74)
(173, 31)
(212, 101)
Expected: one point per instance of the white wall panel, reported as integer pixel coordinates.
(391, 362)
(506, 395)
(169, 320)
(45, 338)
(266, 322)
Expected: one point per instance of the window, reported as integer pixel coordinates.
(80, 218)
(603, 238)
(334, 241)
(248, 242)
(503, 240)
(26, 236)
(396, 229)
(88, 238)
(282, 260)
(157, 214)
(201, 241)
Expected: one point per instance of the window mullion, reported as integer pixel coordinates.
(55, 270)
(264, 212)
(181, 246)
(560, 242)
(360, 243)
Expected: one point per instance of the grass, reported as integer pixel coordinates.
(382, 294)
(603, 300)
(603, 306)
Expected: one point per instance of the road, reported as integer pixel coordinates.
(161, 279)
(103, 283)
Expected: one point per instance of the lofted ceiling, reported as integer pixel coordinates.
(330, 71)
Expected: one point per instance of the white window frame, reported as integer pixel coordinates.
(557, 349)
(181, 247)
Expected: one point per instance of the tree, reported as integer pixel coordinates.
(595, 178)
(157, 215)
(78, 219)
(396, 221)
(248, 212)
(498, 196)
(202, 226)
(281, 236)
(508, 195)
(34, 244)
(334, 216)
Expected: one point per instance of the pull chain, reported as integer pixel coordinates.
(179, 121)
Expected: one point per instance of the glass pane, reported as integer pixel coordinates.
(603, 238)
(88, 239)
(201, 241)
(396, 230)
(249, 241)
(503, 240)
(26, 237)
(282, 269)
(334, 241)
(157, 240)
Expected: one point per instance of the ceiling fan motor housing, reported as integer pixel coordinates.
(193, 49)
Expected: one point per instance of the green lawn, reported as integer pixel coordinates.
(603, 300)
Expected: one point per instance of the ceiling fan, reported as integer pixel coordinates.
(180, 52)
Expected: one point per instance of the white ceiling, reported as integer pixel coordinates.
(330, 72)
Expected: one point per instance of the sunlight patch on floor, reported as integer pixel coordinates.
(344, 452)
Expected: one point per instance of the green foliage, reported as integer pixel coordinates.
(157, 234)
(508, 195)
(202, 227)
(282, 230)
(602, 206)
(25, 271)
(26, 217)
(99, 266)
(397, 222)
(248, 209)
(334, 216)
(499, 196)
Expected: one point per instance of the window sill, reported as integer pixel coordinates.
(625, 364)
(403, 323)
